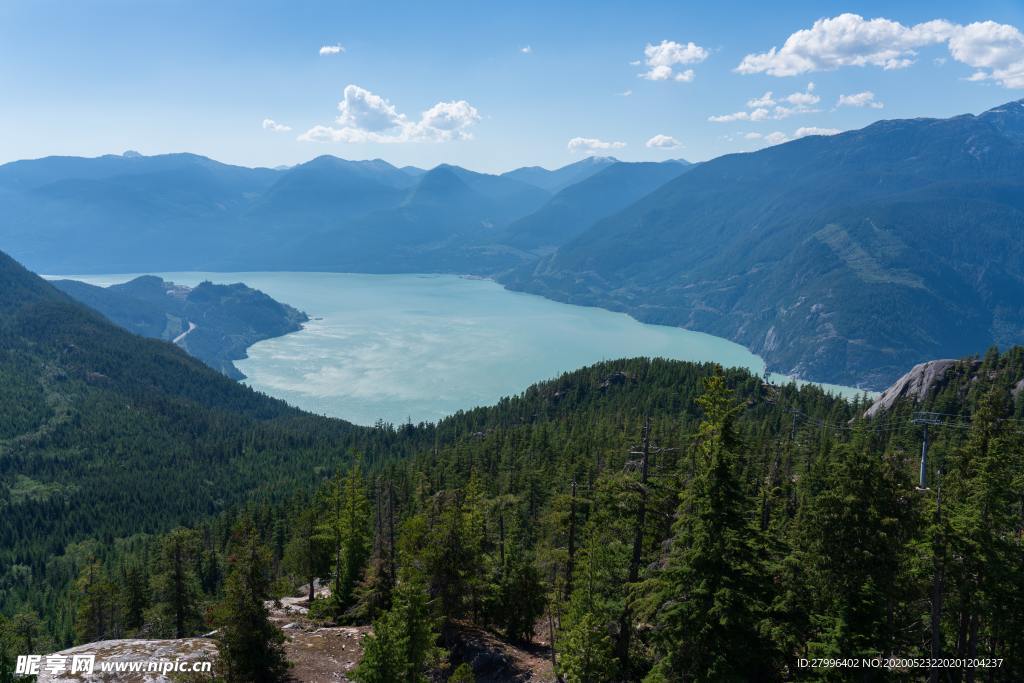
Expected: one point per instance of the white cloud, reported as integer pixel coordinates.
(662, 142)
(526, 49)
(847, 40)
(331, 50)
(271, 124)
(765, 100)
(662, 59)
(995, 50)
(778, 137)
(760, 114)
(592, 145)
(814, 130)
(366, 117)
(861, 99)
(759, 107)
(624, 93)
(804, 99)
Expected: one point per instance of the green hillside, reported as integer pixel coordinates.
(845, 258)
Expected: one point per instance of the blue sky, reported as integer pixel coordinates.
(428, 83)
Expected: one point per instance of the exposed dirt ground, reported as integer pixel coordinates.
(318, 654)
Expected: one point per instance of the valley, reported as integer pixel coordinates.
(442, 417)
(829, 227)
(422, 347)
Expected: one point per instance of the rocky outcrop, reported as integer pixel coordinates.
(124, 655)
(916, 384)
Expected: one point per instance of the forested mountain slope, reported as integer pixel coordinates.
(845, 258)
(578, 206)
(104, 434)
(214, 323)
(538, 517)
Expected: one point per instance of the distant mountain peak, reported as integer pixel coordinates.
(131, 154)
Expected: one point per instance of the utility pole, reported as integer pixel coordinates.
(645, 451)
(625, 627)
(938, 544)
(925, 419)
(938, 578)
(570, 563)
(392, 566)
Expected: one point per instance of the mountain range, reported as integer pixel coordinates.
(842, 258)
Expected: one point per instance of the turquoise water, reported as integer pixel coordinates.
(420, 347)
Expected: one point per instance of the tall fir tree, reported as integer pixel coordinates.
(709, 601)
(175, 584)
(251, 645)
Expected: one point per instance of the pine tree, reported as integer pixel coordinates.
(134, 595)
(94, 618)
(709, 599)
(176, 590)
(351, 530)
(402, 643)
(251, 645)
(862, 510)
(986, 491)
(307, 554)
(517, 595)
(586, 647)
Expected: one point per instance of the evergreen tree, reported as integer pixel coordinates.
(710, 597)
(176, 589)
(852, 535)
(307, 554)
(134, 595)
(351, 530)
(402, 643)
(94, 619)
(251, 645)
(586, 647)
(517, 596)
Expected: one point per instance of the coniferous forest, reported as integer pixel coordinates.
(654, 520)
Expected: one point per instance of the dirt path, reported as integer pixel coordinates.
(319, 654)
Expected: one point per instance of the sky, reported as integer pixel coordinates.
(485, 85)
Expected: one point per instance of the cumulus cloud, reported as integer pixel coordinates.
(778, 137)
(759, 114)
(805, 98)
(271, 124)
(765, 100)
(861, 99)
(814, 130)
(331, 50)
(662, 142)
(367, 117)
(767, 107)
(662, 59)
(995, 50)
(592, 145)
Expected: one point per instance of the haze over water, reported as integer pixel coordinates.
(421, 347)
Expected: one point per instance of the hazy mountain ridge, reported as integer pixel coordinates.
(845, 258)
(214, 323)
(849, 258)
